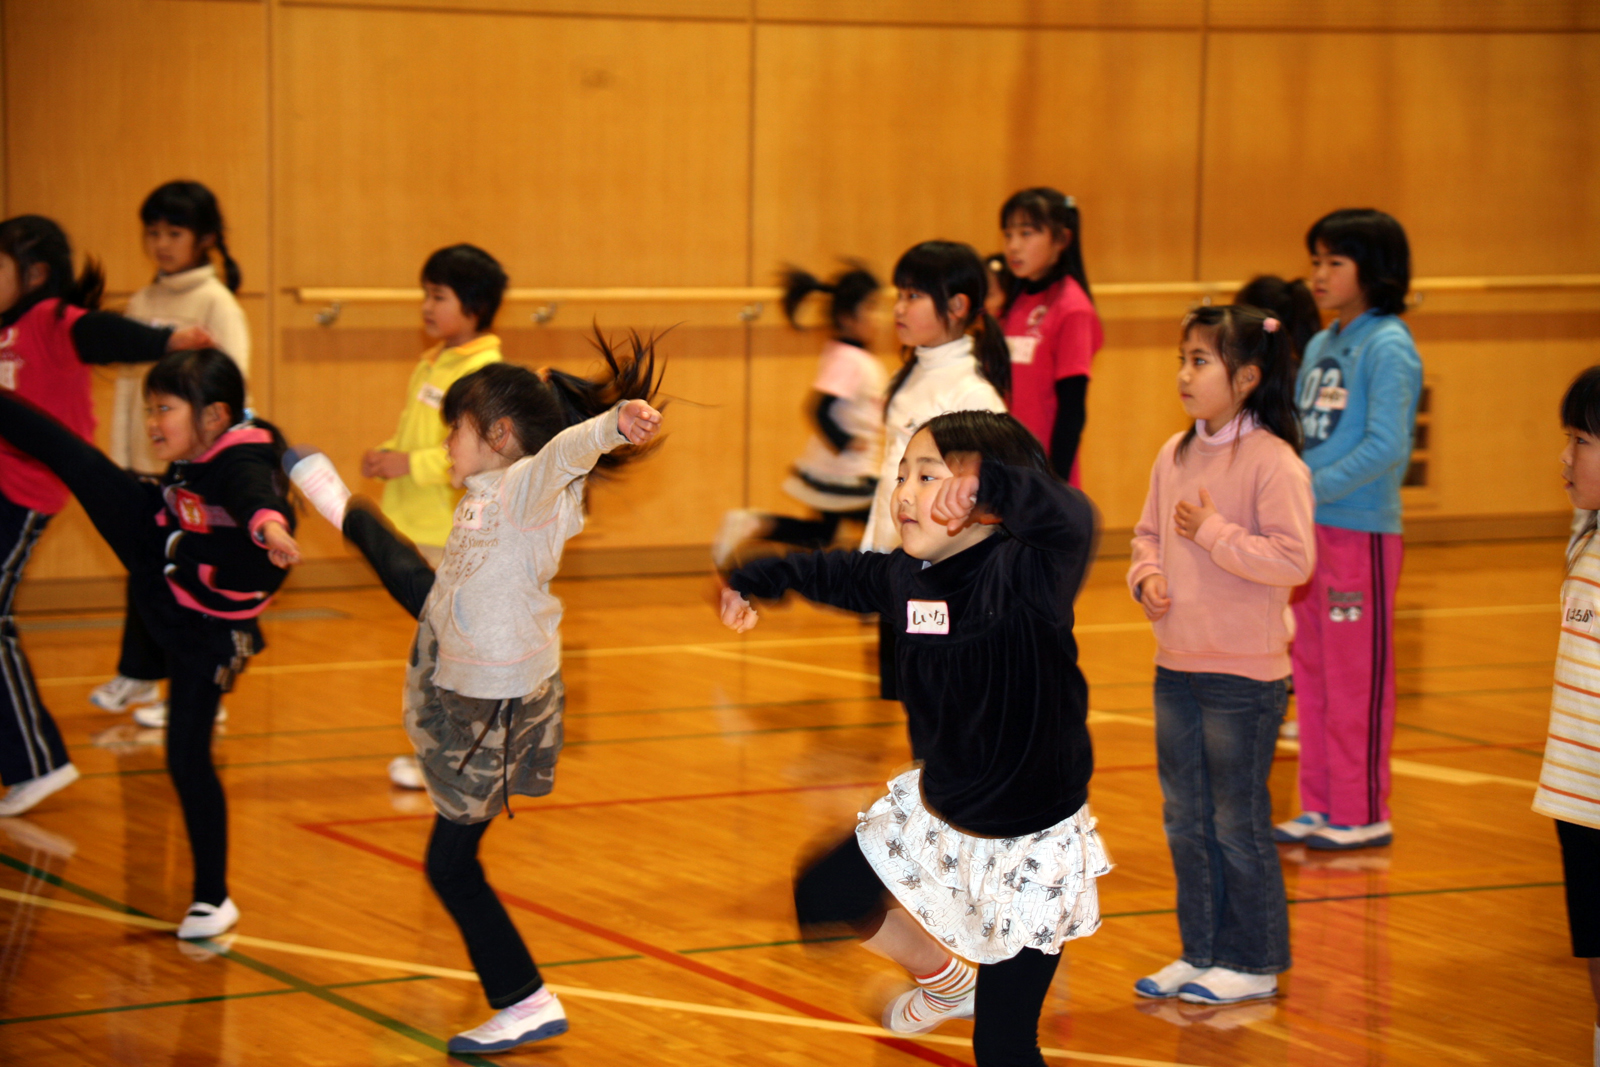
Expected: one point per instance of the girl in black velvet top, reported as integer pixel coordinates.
(986, 852)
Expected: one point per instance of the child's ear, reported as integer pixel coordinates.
(214, 418)
(1065, 240)
(38, 274)
(1249, 377)
(959, 306)
(501, 435)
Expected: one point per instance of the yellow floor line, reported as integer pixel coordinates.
(767, 661)
(1471, 613)
(574, 992)
(1432, 772)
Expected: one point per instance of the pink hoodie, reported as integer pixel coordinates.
(1230, 586)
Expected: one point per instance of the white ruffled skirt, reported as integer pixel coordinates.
(985, 898)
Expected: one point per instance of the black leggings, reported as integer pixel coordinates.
(199, 650)
(497, 950)
(842, 887)
(814, 534)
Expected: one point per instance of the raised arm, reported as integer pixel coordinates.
(534, 483)
(106, 337)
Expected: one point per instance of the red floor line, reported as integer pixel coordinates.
(644, 948)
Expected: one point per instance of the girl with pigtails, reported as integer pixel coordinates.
(483, 694)
(838, 471)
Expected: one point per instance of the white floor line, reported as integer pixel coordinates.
(227, 941)
(1432, 772)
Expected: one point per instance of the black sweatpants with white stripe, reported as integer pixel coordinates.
(30, 744)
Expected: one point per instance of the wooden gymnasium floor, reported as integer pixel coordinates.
(653, 884)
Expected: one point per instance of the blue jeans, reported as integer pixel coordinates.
(1215, 738)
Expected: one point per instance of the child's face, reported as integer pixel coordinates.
(917, 322)
(443, 318)
(1205, 387)
(1031, 250)
(169, 420)
(1580, 468)
(470, 453)
(174, 248)
(922, 468)
(862, 324)
(1336, 282)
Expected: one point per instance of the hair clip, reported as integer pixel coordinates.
(1070, 201)
(1271, 325)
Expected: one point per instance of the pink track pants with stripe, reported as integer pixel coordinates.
(1343, 657)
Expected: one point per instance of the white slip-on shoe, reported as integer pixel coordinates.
(24, 795)
(208, 920)
(406, 772)
(154, 716)
(913, 1013)
(533, 1018)
(738, 526)
(122, 693)
(1166, 982)
(1219, 985)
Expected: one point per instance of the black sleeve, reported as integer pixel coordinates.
(1071, 397)
(854, 581)
(250, 483)
(106, 337)
(1053, 521)
(827, 425)
(399, 565)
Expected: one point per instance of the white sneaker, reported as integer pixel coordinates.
(154, 716)
(913, 1013)
(1166, 982)
(406, 772)
(530, 1019)
(1290, 731)
(208, 920)
(1299, 828)
(1337, 838)
(1219, 985)
(738, 526)
(24, 795)
(123, 692)
(314, 474)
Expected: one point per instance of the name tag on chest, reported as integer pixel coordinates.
(1578, 615)
(431, 395)
(927, 617)
(1022, 348)
(1332, 398)
(471, 514)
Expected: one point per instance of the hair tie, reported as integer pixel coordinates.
(1271, 325)
(1070, 201)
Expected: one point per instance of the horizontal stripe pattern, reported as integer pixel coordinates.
(1569, 781)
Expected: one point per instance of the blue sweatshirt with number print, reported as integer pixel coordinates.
(1357, 395)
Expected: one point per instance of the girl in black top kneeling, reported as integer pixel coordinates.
(986, 852)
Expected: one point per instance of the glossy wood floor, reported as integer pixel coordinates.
(698, 767)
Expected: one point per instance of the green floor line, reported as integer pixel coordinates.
(201, 1000)
(1468, 740)
(767, 944)
(276, 974)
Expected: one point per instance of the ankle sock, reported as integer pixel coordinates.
(946, 987)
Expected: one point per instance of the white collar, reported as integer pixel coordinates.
(184, 280)
(1238, 426)
(947, 354)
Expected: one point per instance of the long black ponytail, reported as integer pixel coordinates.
(943, 270)
(846, 293)
(1250, 337)
(34, 241)
(194, 207)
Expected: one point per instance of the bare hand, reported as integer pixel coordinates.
(1153, 597)
(190, 337)
(737, 614)
(639, 422)
(955, 501)
(381, 463)
(1188, 518)
(281, 547)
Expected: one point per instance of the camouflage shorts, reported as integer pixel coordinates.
(475, 752)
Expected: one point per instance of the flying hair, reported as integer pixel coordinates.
(33, 240)
(846, 293)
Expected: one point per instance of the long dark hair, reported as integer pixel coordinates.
(1048, 209)
(33, 240)
(193, 207)
(846, 293)
(1291, 302)
(1242, 338)
(947, 269)
(996, 437)
(539, 408)
(1377, 242)
(204, 376)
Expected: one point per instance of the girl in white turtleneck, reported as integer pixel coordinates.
(182, 228)
(956, 360)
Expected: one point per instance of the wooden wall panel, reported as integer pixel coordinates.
(1041, 13)
(688, 9)
(1483, 145)
(1479, 15)
(107, 99)
(869, 139)
(578, 151)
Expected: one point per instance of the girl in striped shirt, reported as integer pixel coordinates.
(1569, 783)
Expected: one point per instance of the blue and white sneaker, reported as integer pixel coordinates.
(1219, 985)
(533, 1018)
(1299, 828)
(1166, 982)
(1339, 838)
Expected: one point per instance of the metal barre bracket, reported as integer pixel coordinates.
(330, 314)
(751, 312)
(545, 312)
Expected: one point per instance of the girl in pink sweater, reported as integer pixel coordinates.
(1225, 537)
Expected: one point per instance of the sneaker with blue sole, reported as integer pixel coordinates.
(1333, 838)
(1165, 983)
(1299, 828)
(1219, 985)
(534, 1018)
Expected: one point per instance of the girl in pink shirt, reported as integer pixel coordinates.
(1226, 535)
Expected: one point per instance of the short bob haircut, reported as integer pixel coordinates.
(1580, 407)
(1377, 243)
(994, 437)
(475, 276)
